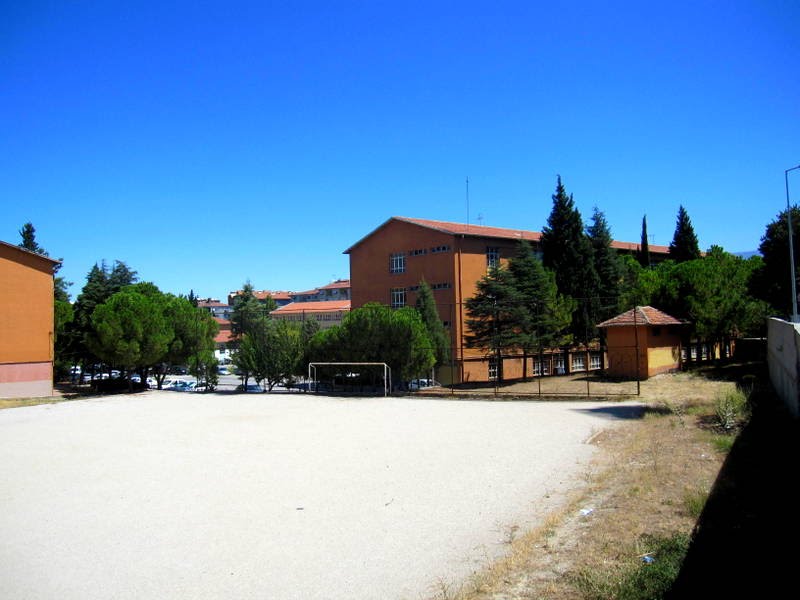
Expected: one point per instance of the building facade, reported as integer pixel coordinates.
(26, 323)
(388, 264)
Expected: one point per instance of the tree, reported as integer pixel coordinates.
(684, 244)
(547, 314)
(426, 306)
(496, 315)
(247, 310)
(377, 333)
(28, 235)
(643, 256)
(772, 280)
(130, 329)
(568, 253)
(606, 265)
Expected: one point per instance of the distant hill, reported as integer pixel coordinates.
(747, 254)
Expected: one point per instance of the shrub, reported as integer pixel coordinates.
(731, 409)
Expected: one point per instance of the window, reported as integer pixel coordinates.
(441, 286)
(541, 367)
(398, 297)
(397, 263)
(578, 362)
(558, 364)
(417, 252)
(438, 249)
(594, 360)
(492, 368)
(492, 257)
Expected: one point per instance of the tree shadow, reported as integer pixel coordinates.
(619, 412)
(748, 529)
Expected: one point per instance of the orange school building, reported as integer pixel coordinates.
(26, 323)
(387, 265)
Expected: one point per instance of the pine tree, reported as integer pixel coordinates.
(495, 315)
(606, 265)
(547, 314)
(644, 249)
(246, 311)
(28, 235)
(568, 253)
(684, 244)
(426, 306)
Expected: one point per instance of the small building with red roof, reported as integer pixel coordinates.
(326, 312)
(642, 342)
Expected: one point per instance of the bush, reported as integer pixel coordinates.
(732, 409)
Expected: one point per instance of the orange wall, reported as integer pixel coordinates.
(465, 263)
(26, 307)
(657, 353)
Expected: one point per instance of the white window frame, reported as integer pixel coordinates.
(492, 257)
(397, 262)
(578, 362)
(492, 368)
(595, 361)
(397, 297)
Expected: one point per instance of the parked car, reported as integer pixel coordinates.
(420, 384)
(251, 388)
(178, 385)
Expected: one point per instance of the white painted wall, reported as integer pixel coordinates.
(783, 357)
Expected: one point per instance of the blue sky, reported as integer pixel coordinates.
(205, 143)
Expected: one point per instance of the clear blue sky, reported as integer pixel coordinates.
(205, 143)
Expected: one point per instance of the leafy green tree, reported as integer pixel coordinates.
(771, 282)
(130, 329)
(567, 252)
(607, 266)
(496, 316)
(643, 256)
(270, 351)
(684, 244)
(377, 333)
(547, 315)
(426, 306)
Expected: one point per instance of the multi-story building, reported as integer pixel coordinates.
(216, 308)
(388, 264)
(326, 312)
(338, 290)
(26, 323)
(281, 298)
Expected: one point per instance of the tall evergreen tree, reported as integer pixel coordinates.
(606, 265)
(567, 251)
(495, 315)
(684, 244)
(772, 281)
(28, 235)
(246, 311)
(426, 307)
(547, 314)
(644, 249)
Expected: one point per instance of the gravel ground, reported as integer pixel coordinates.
(168, 495)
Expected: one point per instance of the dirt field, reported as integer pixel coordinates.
(651, 478)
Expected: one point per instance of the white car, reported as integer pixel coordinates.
(419, 384)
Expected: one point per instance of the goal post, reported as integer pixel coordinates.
(387, 371)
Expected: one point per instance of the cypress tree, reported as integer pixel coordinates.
(426, 307)
(684, 244)
(568, 253)
(644, 249)
(606, 265)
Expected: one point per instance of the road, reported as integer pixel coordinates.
(170, 495)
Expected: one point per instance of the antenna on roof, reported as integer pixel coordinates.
(468, 202)
(480, 218)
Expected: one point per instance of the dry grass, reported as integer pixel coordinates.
(18, 402)
(651, 478)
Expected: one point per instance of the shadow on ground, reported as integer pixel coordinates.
(747, 534)
(616, 412)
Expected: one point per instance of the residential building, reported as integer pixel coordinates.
(224, 343)
(26, 323)
(216, 308)
(388, 264)
(338, 290)
(281, 298)
(326, 312)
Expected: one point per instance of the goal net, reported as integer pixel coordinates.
(350, 377)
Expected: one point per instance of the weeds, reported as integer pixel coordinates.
(732, 409)
(694, 501)
(723, 443)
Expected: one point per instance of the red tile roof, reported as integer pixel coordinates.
(312, 307)
(337, 285)
(491, 232)
(643, 315)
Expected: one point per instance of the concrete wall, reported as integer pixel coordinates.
(783, 356)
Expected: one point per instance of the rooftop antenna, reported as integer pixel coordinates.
(467, 203)
(480, 219)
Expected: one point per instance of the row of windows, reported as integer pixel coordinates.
(397, 261)
(543, 367)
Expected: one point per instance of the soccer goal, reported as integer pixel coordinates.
(353, 371)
